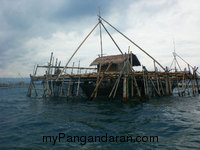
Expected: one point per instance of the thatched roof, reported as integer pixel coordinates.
(115, 59)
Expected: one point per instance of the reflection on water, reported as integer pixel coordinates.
(24, 121)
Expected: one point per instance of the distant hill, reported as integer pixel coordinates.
(14, 80)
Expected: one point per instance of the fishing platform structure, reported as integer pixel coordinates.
(114, 76)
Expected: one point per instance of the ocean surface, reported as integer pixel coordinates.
(24, 122)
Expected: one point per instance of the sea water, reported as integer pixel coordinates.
(26, 122)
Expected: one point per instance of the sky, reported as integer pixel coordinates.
(31, 30)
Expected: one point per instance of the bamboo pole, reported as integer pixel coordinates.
(156, 76)
(48, 72)
(100, 81)
(161, 85)
(47, 84)
(115, 87)
(78, 86)
(193, 83)
(170, 86)
(132, 87)
(30, 88)
(98, 76)
(68, 91)
(125, 79)
(183, 80)
(177, 84)
(151, 81)
(125, 96)
(167, 81)
(52, 87)
(100, 34)
(196, 81)
(133, 43)
(36, 94)
(185, 61)
(44, 90)
(76, 51)
(35, 70)
(144, 80)
(52, 63)
(136, 85)
(56, 63)
(112, 38)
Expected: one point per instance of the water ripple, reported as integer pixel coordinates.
(24, 121)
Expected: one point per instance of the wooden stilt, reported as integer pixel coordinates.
(170, 86)
(36, 94)
(196, 80)
(151, 81)
(30, 88)
(125, 96)
(98, 76)
(132, 88)
(177, 84)
(183, 85)
(156, 76)
(115, 87)
(100, 81)
(135, 81)
(79, 80)
(68, 91)
(161, 85)
(145, 83)
(44, 90)
(167, 82)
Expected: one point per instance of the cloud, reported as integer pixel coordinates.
(31, 30)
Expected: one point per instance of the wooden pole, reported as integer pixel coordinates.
(44, 90)
(125, 96)
(35, 70)
(56, 63)
(52, 87)
(112, 38)
(78, 86)
(68, 91)
(144, 80)
(183, 84)
(156, 76)
(151, 81)
(170, 85)
(100, 81)
(196, 81)
(52, 63)
(100, 34)
(36, 94)
(30, 87)
(167, 82)
(48, 72)
(177, 84)
(133, 43)
(115, 87)
(193, 82)
(76, 51)
(161, 85)
(132, 87)
(98, 76)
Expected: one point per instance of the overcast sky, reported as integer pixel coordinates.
(31, 29)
